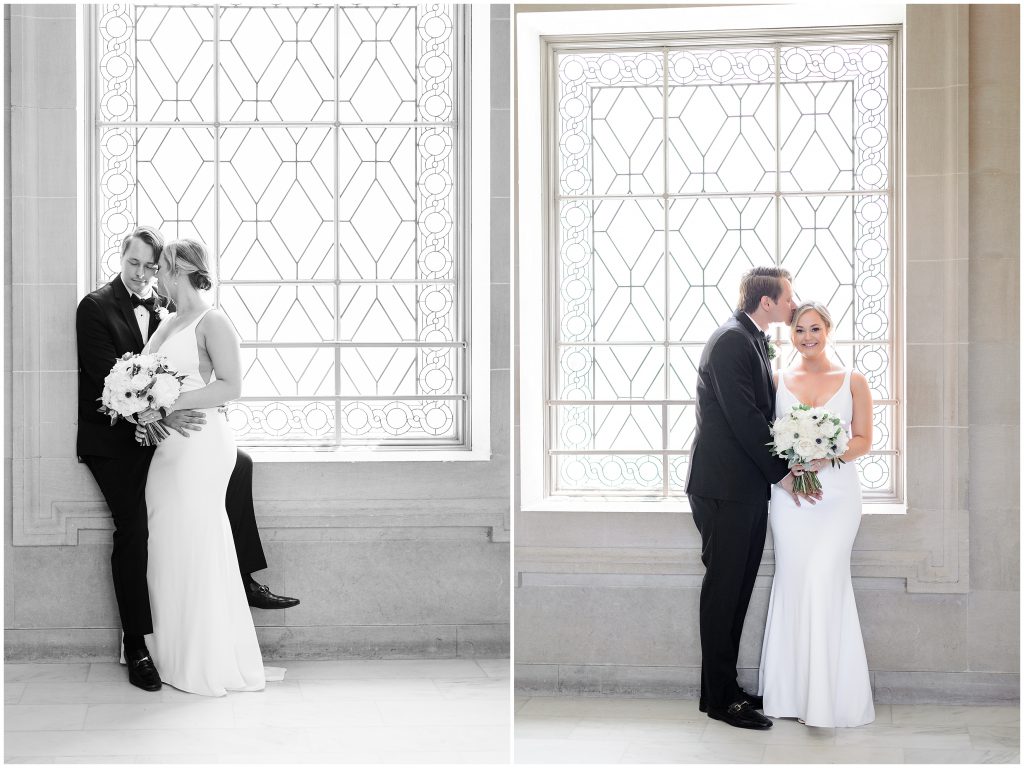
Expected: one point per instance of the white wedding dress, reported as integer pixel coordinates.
(203, 637)
(813, 665)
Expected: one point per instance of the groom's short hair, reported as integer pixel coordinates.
(758, 282)
(149, 235)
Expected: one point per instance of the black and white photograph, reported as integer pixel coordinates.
(257, 382)
(768, 427)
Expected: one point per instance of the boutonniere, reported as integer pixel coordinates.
(162, 313)
(772, 351)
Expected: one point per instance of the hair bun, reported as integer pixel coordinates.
(200, 280)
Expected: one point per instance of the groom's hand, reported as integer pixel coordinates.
(787, 485)
(180, 421)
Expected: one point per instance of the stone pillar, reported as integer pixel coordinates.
(993, 412)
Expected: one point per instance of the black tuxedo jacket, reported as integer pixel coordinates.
(106, 328)
(730, 459)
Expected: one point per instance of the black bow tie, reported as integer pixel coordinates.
(149, 304)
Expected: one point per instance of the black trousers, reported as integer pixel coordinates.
(242, 517)
(122, 482)
(732, 541)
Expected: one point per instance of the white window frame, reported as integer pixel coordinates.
(534, 34)
(475, 242)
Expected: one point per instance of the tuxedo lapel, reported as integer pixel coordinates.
(124, 304)
(757, 338)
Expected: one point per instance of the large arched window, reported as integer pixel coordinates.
(321, 153)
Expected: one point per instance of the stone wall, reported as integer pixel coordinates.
(606, 602)
(390, 559)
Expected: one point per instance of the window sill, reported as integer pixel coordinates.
(332, 455)
(672, 506)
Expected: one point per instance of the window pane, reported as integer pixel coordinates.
(714, 241)
(627, 474)
(611, 123)
(609, 427)
(612, 372)
(721, 120)
(276, 211)
(833, 117)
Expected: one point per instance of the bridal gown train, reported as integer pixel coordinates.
(203, 637)
(813, 664)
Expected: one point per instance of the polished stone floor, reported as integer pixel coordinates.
(616, 730)
(436, 711)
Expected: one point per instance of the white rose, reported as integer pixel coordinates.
(842, 443)
(806, 448)
(140, 381)
(165, 390)
(146, 361)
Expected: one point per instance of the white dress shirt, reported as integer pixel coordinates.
(141, 313)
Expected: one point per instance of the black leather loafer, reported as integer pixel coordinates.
(741, 715)
(141, 670)
(260, 596)
(756, 702)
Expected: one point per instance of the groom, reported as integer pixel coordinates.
(117, 318)
(730, 479)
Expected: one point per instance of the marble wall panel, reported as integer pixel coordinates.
(935, 31)
(913, 632)
(996, 200)
(396, 582)
(37, 39)
(993, 631)
(935, 217)
(939, 144)
(995, 548)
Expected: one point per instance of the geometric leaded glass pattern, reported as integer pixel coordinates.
(677, 169)
(316, 150)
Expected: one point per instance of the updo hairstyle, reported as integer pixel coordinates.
(189, 257)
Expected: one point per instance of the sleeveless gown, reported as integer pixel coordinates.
(813, 664)
(203, 637)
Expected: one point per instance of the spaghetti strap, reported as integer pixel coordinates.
(202, 314)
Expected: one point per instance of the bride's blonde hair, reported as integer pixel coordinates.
(806, 306)
(189, 257)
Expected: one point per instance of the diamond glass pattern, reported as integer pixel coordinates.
(721, 120)
(611, 121)
(327, 194)
(678, 169)
(276, 64)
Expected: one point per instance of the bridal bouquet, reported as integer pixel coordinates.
(805, 434)
(138, 382)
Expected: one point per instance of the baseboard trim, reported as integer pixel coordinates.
(442, 641)
(684, 683)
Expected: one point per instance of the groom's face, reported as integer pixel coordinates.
(781, 311)
(138, 267)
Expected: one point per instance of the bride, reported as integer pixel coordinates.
(813, 665)
(203, 637)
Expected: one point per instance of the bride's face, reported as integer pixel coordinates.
(167, 280)
(810, 334)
